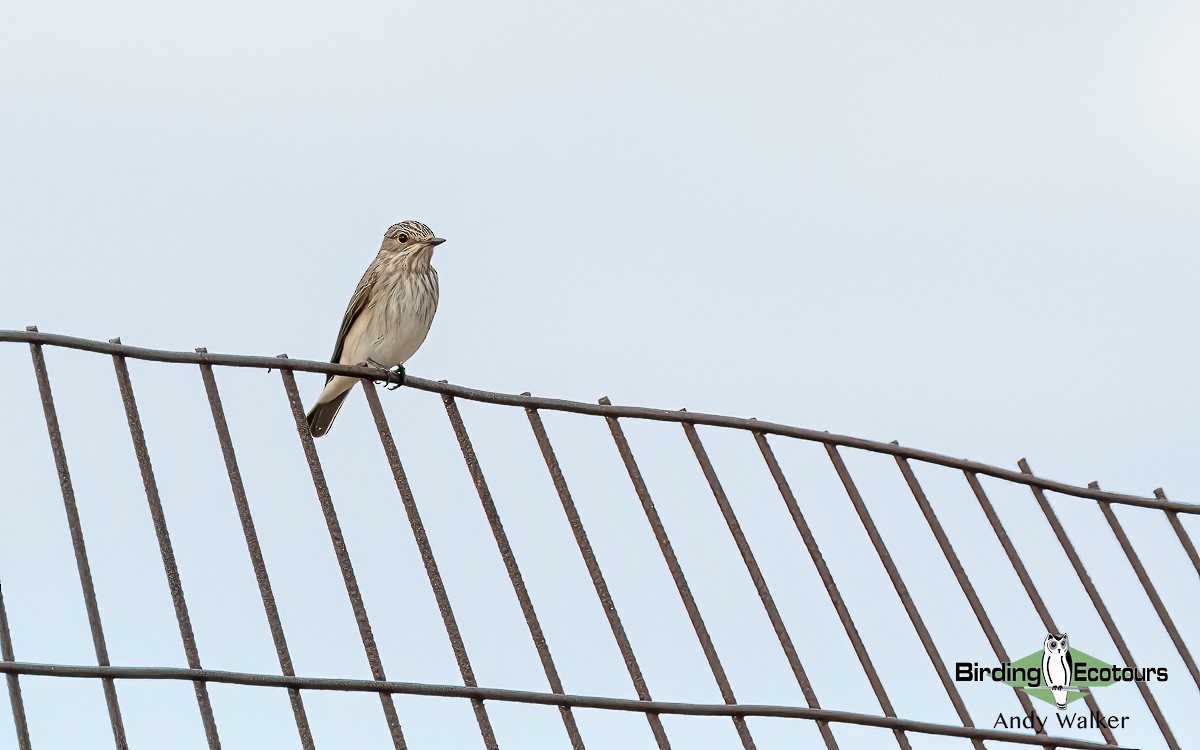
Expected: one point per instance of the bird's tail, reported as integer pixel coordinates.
(320, 418)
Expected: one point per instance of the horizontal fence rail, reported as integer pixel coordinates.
(828, 723)
(522, 696)
(602, 410)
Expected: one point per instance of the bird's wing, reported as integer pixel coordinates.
(358, 302)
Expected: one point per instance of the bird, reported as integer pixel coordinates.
(1057, 667)
(388, 317)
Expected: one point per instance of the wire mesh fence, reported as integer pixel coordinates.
(799, 637)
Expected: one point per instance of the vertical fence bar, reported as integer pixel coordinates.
(14, 685)
(756, 576)
(431, 569)
(893, 572)
(1184, 539)
(255, 550)
(1148, 586)
(342, 554)
(1061, 534)
(165, 549)
(76, 529)
(672, 561)
(489, 507)
(835, 596)
(960, 574)
(1022, 572)
(568, 503)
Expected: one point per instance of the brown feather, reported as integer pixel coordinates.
(320, 419)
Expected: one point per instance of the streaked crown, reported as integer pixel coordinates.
(408, 230)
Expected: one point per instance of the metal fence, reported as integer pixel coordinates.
(826, 719)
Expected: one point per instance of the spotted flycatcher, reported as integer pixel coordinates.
(388, 316)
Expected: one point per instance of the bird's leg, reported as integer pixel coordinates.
(395, 377)
(392, 376)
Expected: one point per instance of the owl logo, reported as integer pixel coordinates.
(1057, 667)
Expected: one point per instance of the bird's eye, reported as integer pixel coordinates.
(403, 238)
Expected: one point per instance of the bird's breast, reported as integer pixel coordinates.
(407, 304)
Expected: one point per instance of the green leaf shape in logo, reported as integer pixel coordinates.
(1034, 661)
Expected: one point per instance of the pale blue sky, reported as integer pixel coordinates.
(968, 227)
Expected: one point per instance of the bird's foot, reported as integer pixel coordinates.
(394, 377)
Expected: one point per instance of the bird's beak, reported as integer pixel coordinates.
(434, 242)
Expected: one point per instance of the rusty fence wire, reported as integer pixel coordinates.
(830, 722)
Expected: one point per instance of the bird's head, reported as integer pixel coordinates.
(411, 240)
(1056, 642)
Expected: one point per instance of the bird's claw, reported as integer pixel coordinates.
(394, 377)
